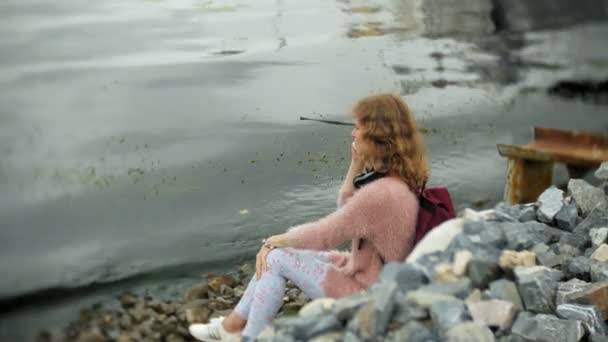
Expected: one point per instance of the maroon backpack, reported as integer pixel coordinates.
(435, 204)
(435, 208)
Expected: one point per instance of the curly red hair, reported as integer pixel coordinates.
(398, 146)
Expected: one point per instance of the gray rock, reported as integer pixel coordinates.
(344, 308)
(459, 288)
(597, 218)
(298, 327)
(407, 276)
(446, 314)
(601, 253)
(424, 299)
(549, 259)
(371, 319)
(546, 328)
(528, 214)
(405, 311)
(469, 332)
(426, 264)
(593, 294)
(493, 313)
(597, 338)
(587, 197)
(602, 172)
(540, 248)
(324, 324)
(537, 287)
(335, 336)
(565, 249)
(579, 267)
(588, 314)
(599, 271)
(575, 240)
(550, 202)
(524, 236)
(567, 217)
(384, 304)
(506, 290)
(485, 233)
(412, 331)
(482, 272)
(506, 213)
(598, 236)
(568, 289)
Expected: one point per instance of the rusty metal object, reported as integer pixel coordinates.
(530, 166)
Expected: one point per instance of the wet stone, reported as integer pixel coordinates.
(587, 197)
(412, 331)
(383, 295)
(407, 276)
(127, 300)
(469, 332)
(546, 328)
(588, 314)
(537, 287)
(196, 292)
(446, 314)
(506, 290)
(579, 267)
(493, 313)
(550, 202)
(567, 217)
(598, 236)
(597, 218)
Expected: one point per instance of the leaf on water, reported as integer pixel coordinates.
(370, 30)
(207, 7)
(244, 211)
(363, 9)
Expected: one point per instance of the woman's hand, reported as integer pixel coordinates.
(260, 262)
(357, 159)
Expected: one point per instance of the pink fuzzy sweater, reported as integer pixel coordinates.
(379, 219)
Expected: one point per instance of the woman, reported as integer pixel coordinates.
(379, 219)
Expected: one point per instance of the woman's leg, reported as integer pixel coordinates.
(307, 270)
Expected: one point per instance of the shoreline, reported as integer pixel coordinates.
(557, 246)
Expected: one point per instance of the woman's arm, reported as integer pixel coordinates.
(355, 219)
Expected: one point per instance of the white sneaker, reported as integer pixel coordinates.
(213, 331)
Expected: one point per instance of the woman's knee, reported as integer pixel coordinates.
(275, 257)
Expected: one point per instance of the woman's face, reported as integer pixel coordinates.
(362, 146)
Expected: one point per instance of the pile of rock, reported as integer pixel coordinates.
(536, 272)
(144, 318)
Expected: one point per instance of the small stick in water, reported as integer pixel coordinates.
(332, 122)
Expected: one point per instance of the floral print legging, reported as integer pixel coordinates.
(264, 297)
